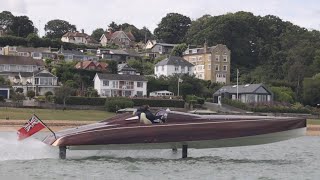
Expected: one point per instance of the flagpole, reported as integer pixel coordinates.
(54, 134)
(178, 85)
(237, 84)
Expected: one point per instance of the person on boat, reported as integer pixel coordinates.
(149, 115)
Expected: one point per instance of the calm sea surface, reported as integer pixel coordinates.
(31, 159)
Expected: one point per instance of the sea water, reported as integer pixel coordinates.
(31, 159)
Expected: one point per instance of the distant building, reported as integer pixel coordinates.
(248, 93)
(75, 55)
(211, 63)
(92, 65)
(28, 74)
(155, 49)
(111, 85)
(119, 55)
(120, 38)
(35, 53)
(79, 38)
(173, 65)
(126, 69)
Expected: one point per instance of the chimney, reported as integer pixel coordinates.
(81, 64)
(205, 46)
(82, 31)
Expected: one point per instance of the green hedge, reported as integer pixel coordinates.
(115, 103)
(159, 102)
(77, 100)
(270, 108)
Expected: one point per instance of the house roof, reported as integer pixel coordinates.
(175, 61)
(125, 67)
(132, 52)
(121, 77)
(75, 34)
(128, 34)
(85, 64)
(20, 60)
(43, 73)
(74, 52)
(31, 49)
(118, 51)
(242, 89)
(163, 91)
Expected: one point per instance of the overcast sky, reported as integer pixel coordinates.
(92, 14)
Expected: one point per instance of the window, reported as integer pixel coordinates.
(199, 58)
(217, 57)
(105, 83)
(176, 68)
(225, 58)
(225, 67)
(6, 67)
(217, 67)
(156, 68)
(162, 68)
(140, 84)
(115, 84)
(36, 81)
(209, 58)
(209, 66)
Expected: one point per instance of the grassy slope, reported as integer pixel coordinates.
(52, 114)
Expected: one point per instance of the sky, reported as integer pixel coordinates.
(92, 14)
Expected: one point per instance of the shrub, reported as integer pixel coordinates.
(209, 100)
(77, 100)
(2, 99)
(115, 103)
(159, 102)
(41, 98)
(190, 98)
(200, 101)
(19, 90)
(31, 94)
(48, 93)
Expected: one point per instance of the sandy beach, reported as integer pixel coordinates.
(56, 125)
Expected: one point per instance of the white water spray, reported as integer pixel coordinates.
(31, 148)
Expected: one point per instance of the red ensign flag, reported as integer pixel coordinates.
(31, 127)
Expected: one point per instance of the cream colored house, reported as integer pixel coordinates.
(210, 63)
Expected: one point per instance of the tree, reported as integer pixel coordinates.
(113, 27)
(96, 34)
(113, 67)
(63, 93)
(6, 19)
(31, 94)
(179, 49)
(33, 40)
(173, 28)
(57, 28)
(91, 92)
(311, 93)
(19, 90)
(22, 26)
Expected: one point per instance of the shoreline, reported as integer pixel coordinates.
(57, 125)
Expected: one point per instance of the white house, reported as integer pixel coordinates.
(111, 85)
(173, 65)
(79, 38)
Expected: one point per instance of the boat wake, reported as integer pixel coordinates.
(31, 148)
